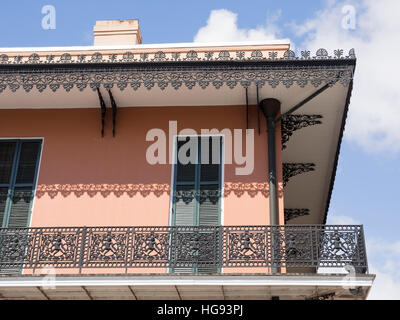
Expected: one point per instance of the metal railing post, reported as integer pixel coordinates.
(82, 253)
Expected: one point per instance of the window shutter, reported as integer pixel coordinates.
(18, 162)
(185, 205)
(23, 196)
(20, 208)
(7, 150)
(210, 175)
(209, 205)
(27, 163)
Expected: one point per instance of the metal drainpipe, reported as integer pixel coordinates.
(271, 108)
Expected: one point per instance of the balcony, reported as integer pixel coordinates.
(183, 249)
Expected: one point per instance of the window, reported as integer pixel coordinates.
(197, 202)
(18, 169)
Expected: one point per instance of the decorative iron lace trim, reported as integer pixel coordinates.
(293, 169)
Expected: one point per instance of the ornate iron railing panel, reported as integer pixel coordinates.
(204, 247)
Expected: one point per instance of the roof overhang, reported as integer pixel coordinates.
(180, 77)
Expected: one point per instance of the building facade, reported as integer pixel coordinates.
(181, 171)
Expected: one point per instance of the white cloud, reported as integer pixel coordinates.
(222, 26)
(332, 219)
(374, 116)
(384, 260)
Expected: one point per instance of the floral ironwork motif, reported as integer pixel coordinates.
(294, 122)
(60, 247)
(66, 58)
(293, 245)
(128, 56)
(290, 170)
(160, 56)
(224, 55)
(12, 244)
(247, 246)
(107, 247)
(195, 247)
(150, 248)
(338, 247)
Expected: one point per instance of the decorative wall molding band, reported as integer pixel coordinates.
(294, 122)
(237, 189)
(293, 169)
(164, 56)
(295, 213)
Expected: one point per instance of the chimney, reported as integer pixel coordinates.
(117, 32)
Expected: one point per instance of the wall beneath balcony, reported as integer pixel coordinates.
(85, 179)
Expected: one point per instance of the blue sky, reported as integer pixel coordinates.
(366, 189)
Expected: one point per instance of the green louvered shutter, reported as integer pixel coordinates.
(185, 188)
(22, 195)
(7, 154)
(209, 184)
(209, 201)
(18, 166)
(20, 208)
(184, 206)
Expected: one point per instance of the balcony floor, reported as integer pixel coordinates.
(187, 287)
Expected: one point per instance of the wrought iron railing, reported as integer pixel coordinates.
(177, 248)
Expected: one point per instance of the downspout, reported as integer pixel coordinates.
(270, 109)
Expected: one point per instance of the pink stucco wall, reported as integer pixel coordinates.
(85, 179)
